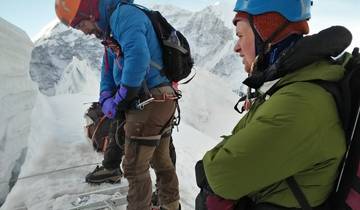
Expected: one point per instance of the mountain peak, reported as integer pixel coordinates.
(224, 11)
(210, 39)
(170, 10)
(47, 30)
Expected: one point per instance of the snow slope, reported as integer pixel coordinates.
(17, 97)
(57, 142)
(60, 143)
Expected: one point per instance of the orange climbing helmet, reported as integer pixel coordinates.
(66, 10)
(71, 12)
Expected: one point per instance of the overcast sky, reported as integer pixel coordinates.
(33, 15)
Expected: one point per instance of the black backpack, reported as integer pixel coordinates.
(346, 92)
(176, 50)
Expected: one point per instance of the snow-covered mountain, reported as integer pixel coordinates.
(211, 40)
(56, 49)
(78, 77)
(17, 98)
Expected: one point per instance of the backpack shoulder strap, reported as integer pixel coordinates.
(147, 12)
(298, 193)
(340, 91)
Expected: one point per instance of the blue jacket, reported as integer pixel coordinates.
(134, 32)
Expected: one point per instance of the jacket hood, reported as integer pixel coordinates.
(310, 52)
(106, 7)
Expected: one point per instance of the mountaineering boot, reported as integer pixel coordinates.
(155, 198)
(101, 175)
(171, 206)
(161, 208)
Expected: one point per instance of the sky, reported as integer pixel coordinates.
(32, 16)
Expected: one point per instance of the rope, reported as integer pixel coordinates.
(49, 172)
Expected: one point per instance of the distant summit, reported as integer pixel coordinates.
(209, 31)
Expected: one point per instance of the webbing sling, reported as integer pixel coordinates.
(146, 142)
(298, 193)
(154, 141)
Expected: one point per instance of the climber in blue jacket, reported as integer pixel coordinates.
(128, 75)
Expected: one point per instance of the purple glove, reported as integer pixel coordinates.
(104, 95)
(120, 95)
(214, 202)
(109, 103)
(109, 108)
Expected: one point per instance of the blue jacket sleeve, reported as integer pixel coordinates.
(107, 82)
(130, 26)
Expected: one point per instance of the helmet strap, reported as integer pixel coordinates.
(109, 11)
(264, 47)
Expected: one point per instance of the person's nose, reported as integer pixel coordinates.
(237, 47)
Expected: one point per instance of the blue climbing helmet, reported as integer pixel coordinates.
(292, 10)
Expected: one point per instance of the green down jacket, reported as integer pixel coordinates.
(296, 131)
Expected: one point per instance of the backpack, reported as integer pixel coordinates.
(346, 92)
(97, 127)
(177, 58)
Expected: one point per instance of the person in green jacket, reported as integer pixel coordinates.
(292, 128)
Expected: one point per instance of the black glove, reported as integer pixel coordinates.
(202, 183)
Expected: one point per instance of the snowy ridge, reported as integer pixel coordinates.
(219, 9)
(46, 31)
(171, 11)
(17, 98)
(55, 51)
(211, 38)
(78, 77)
(9, 29)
